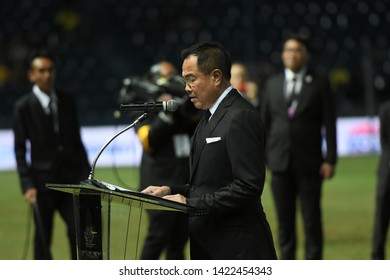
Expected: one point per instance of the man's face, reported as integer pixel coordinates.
(201, 88)
(238, 76)
(295, 55)
(42, 73)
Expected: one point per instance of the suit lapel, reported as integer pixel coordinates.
(208, 130)
(279, 89)
(303, 96)
(192, 153)
(38, 109)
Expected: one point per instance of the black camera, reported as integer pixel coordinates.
(140, 89)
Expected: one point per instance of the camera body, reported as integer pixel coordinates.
(138, 89)
(144, 89)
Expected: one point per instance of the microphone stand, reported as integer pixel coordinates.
(91, 180)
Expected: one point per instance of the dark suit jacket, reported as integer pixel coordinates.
(299, 138)
(59, 158)
(227, 180)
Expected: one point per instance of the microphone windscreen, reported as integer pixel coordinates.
(172, 105)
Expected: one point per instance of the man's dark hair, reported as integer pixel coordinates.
(210, 56)
(300, 38)
(40, 53)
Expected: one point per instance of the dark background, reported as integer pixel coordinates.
(100, 42)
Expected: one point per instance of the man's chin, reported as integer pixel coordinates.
(46, 89)
(196, 103)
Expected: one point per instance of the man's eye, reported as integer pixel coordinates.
(189, 80)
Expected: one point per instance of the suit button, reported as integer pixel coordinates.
(192, 188)
(60, 148)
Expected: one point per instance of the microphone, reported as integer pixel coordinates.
(170, 106)
(101, 184)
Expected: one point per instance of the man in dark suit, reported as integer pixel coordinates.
(165, 138)
(382, 209)
(299, 112)
(227, 164)
(48, 149)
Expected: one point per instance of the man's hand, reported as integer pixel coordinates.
(159, 191)
(31, 195)
(177, 198)
(327, 170)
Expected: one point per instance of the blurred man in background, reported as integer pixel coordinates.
(299, 112)
(240, 81)
(48, 149)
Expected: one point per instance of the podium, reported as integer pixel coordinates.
(108, 218)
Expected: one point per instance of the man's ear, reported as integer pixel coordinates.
(216, 75)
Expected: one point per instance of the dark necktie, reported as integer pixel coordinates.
(54, 114)
(292, 98)
(202, 125)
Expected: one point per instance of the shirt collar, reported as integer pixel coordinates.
(290, 74)
(43, 98)
(214, 107)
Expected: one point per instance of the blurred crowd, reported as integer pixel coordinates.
(102, 46)
(98, 43)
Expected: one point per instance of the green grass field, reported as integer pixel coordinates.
(348, 211)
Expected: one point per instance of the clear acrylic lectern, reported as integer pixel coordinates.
(108, 218)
